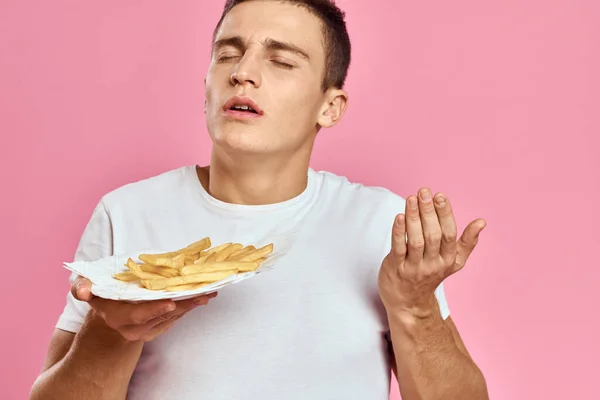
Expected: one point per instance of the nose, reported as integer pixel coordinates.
(239, 79)
(247, 71)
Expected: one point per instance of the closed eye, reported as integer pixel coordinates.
(227, 58)
(282, 64)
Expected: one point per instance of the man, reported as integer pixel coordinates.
(344, 306)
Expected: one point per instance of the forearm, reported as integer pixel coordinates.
(429, 364)
(99, 365)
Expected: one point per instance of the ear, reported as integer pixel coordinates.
(333, 109)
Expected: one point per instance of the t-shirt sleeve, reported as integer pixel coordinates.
(95, 243)
(440, 294)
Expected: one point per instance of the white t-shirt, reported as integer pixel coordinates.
(312, 328)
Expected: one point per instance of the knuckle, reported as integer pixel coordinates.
(131, 336)
(449, 236)
(201, 301)
(146, 338)
(414, 217)
(434, 238)
(399, 251)
(428, 208)
(450, 259)
(136, 319)
(417, 244)
(164, 317)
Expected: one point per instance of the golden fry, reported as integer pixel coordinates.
(126, 276)
(190, 259)
(193, 248)
(226, 252)
(258, 254)
(218, 248)
(202, 259)
(211, 258)
(159, 284)
(148, 275)
(196, 247)
(176, 262)
(149, 258)
(240, 253)
(221, 266)
(130, 263)
(163, 271)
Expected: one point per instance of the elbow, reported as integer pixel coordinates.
(471, 385)
(479, 385)
(36, 392)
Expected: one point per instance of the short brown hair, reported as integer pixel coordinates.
(336, 41)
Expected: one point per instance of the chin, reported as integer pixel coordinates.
(240, 140)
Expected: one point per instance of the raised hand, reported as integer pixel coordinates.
(424, 252)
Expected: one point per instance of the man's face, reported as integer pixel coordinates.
(270, 55)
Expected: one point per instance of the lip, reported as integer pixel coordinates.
(244, 101)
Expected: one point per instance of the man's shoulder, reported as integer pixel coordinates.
(144, 190)
(359, 194)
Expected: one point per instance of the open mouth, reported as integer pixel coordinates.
(243, 108)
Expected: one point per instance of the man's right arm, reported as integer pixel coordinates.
(95, 363)
(99, 360)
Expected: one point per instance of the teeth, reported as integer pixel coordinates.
(243, 107)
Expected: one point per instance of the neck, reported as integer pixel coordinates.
(255, 180)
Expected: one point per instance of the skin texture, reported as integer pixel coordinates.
(272, 53)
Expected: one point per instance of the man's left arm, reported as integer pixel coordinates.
(431, 360)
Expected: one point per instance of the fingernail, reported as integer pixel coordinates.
(425, 195)
(412, 202)
(441, 201)
(400, 220)
(199, 300)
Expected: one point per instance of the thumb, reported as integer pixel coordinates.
(82, 289)
(467, 242)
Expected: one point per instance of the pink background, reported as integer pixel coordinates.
(495, 103)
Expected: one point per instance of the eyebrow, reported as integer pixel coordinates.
(268, 44)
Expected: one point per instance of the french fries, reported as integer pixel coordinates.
(219, 266)
(193, 266)
(209, 277)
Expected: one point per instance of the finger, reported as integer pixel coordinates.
(399, 240)
(162, 323)
(159, 329)
(467, 243)
(144, 312)
(432, 232)
(414, 230)
(82, 289)
(119, 313)
(183, 307)
(448, 225)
